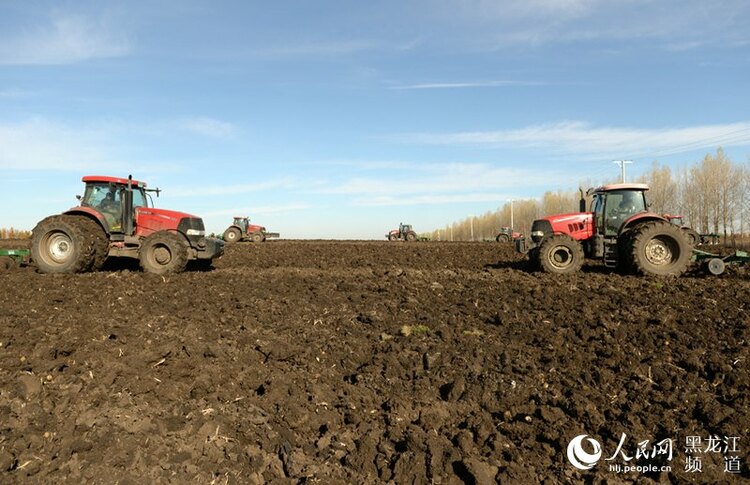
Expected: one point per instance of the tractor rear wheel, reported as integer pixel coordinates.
(660, 249)
(164, 252)
(60, 244)
(257, 237)
(560, 254)
(232, 235)
(693, 237)
(410, 236)
(502, 238)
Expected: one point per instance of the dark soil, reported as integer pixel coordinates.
(365, 362)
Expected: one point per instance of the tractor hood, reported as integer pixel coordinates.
(150, 219)
(578, 225)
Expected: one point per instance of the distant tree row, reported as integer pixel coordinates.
(713, 196)
(11, 233)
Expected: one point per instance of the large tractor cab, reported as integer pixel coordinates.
(116, 217)
(619, 230)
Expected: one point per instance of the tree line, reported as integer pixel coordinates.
(712, 195)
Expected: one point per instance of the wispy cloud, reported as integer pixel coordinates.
(209, 127)
(63, 39)
(263, 209)
(318, 48)
(584, 139)
(431, 199)
(466, 85)
(41, 145)
(285, 183)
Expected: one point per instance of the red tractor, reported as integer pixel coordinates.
(619, 230)
(507, 235)
(242, 230)
(403, 233)
(116, 217)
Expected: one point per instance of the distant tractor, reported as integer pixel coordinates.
(507, 235)
(242, 230)
(403, 233)
(619, 230)
(694, 237)
(116, 217)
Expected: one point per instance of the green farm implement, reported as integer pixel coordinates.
(716, 264)
(12, 258)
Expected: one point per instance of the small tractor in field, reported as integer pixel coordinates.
(618, 230)
(694, 237)
(116, 217)
(242, 230)
(507, 235)
(403, 233)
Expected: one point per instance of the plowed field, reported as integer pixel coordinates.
(370, 362)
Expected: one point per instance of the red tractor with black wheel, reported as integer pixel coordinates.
(507, 235)
(618, 230)
(403, 233)
(242, 230)
(116, 217)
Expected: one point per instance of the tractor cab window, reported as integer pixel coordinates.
(104, 198)
(620, 205)
(139, 198)
(598, 210)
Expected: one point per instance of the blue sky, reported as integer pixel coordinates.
(339, 119)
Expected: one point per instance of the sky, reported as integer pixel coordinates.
(340, 119)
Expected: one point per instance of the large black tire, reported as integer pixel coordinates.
(98, 239)
(164, 252)
(392, 237)
(660, 249)
(502, 238)
(61, 244)
(257, 237)
(560, 254)
(624, 253)
(232, 235)
(411, 236)
(693, 237)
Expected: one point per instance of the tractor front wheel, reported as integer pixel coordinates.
(60, 244)
(232, 235)
(660, 249)
(164, 252)
(560, 254)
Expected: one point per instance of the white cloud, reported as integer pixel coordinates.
(40, 145)
(464, 85)
(264, 209)
(63, 39)
(209, 127)
(430, 199)
(584, 139)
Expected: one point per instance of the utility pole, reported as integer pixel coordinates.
(451, 233)
(511, 215)
(622, 164)
(471, 223)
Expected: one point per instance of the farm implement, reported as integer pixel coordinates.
(13, 258)
(716, 263)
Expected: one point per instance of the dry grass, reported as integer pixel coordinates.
(10, 233)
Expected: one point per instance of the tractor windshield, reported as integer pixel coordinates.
(620, 205)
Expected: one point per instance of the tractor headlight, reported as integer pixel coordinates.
(537, 233)
(195, 232)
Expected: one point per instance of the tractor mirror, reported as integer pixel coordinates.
(78, 197)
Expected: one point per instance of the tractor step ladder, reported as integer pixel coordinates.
(610, 255)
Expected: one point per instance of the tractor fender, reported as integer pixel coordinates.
(639, 219)
(90, 214)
